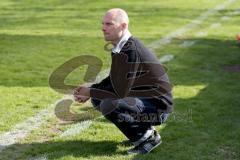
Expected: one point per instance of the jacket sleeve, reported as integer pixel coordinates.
(105, 82)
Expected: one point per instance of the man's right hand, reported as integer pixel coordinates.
(81, 94)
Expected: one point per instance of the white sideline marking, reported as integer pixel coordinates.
(187, 44)
(236, 12)
(215, 25)
(192, 24)
(201, 34)
(166, 58)
(43, 157)
(20, 131)
(225, 18)
(76, 129)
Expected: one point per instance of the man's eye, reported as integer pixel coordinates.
(109, 24)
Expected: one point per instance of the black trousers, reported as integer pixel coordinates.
(133, 116)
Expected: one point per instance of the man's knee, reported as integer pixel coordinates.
(128, 104)
(108, 105)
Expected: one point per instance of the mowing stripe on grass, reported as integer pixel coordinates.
(20, 131)
(194, 23)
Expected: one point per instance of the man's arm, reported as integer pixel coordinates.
(103, 84)
(83, 93)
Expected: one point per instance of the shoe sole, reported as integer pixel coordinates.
(132, 153)
(155, 146)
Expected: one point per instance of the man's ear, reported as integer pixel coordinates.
(124, 26)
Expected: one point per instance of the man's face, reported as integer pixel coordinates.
(112, 30)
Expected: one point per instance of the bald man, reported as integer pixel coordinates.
(137, 94)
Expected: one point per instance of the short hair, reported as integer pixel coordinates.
(119, 14)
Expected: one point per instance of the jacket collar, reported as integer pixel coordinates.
(122, 42)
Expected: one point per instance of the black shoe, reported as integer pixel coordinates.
(148, 134)
(147, 146)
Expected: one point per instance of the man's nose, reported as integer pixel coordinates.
(103, 28)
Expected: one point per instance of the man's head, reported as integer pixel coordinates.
(114, 24)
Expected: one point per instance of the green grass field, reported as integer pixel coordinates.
(38, 36)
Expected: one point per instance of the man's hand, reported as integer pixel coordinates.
(81, 94)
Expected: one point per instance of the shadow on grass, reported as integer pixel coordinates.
(58, 149)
